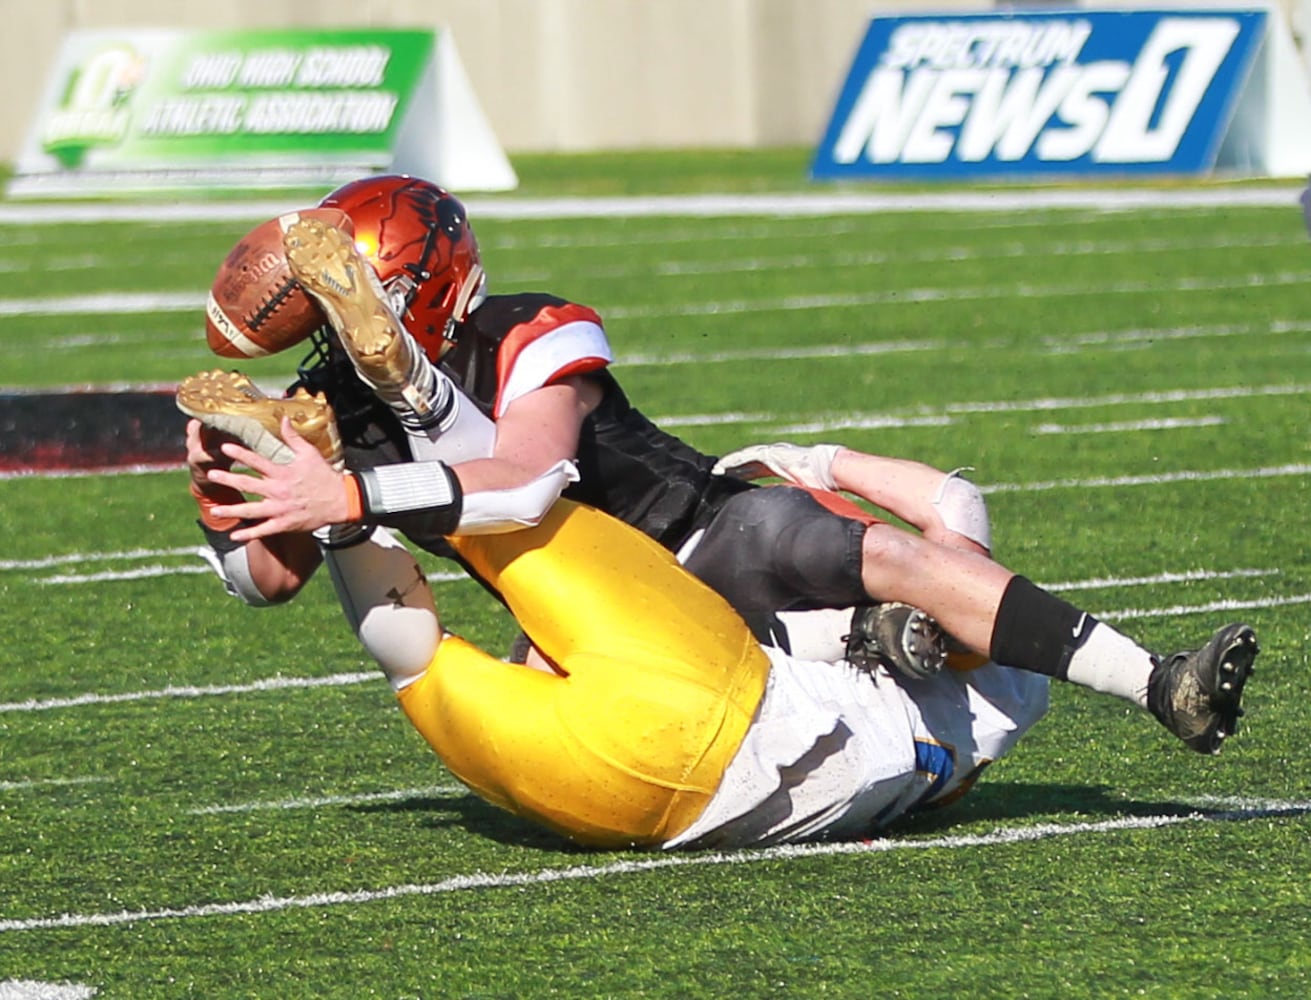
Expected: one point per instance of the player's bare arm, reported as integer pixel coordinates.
(536, 432)
(946, 508)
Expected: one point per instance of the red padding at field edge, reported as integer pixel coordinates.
(44, 431)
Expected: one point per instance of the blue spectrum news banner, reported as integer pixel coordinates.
(967, 96)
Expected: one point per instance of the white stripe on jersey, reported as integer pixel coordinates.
(546, 356)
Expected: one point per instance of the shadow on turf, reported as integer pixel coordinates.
(476, 817)
(999, 801)
(994, 802)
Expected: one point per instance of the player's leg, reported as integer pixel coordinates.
(779, 548)
(995, 612)
(387, 602)
(326, 261)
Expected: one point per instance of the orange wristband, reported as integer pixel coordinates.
(354, 500)
(216, 496)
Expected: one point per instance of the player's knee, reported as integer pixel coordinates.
(889, 552)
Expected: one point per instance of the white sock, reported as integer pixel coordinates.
(465, 432)
(1112, 663)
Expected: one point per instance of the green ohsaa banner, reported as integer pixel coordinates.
(127, 112)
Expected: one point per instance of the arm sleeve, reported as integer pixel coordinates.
(491, 512)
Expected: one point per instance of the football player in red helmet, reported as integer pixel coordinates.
(538, 366)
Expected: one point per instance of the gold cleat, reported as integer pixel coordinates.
(230, 402)
(325, 260)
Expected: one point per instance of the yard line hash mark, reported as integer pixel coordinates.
(481, 880)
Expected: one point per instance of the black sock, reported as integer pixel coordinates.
(1037, 631)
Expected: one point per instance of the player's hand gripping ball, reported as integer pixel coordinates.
(255, 306)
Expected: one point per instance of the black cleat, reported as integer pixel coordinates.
(1196, 694)
(897, 636)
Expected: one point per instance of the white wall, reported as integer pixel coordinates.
(552, 75)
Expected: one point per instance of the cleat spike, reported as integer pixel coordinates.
(1197, 694)
(901, 638)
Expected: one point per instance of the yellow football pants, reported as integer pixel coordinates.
(662, 680)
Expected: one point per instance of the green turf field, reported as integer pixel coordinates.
(198, 799)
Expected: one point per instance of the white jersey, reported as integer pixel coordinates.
(837, 752)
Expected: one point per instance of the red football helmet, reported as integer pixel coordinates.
(418, 238)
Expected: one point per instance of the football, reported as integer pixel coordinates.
(255, 307)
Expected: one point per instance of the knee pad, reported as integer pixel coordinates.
(961, 507)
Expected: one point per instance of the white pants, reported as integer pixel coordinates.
(836, 752)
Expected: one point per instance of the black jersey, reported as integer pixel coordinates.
(769, 550)
(628, 466)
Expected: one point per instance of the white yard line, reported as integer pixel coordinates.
(861, 421)
(1158, 479)
(139, 573)
(106, 303)
(502, 880)
(779, 204)
(138, 303)
(117, 470)
(825, 260)
(77, 558)
(1128, 614)
(18, 786)
(1132, 426)
(317, 802)
(1188, 576)
(918, 296)
(31, 989)
(188, 691)
(337, 680)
